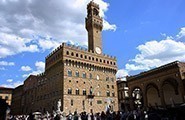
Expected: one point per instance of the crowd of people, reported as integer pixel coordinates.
(149, 114)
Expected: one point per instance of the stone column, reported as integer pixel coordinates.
(145, 99)
(162, 97)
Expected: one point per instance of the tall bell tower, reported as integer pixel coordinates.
(94, 25)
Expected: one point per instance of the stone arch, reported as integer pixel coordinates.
(171, 92)
(152, 95)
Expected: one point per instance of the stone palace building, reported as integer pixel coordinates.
(83, 80)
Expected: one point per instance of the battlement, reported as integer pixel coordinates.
(41, 74)
(77, 48)
(93, 4)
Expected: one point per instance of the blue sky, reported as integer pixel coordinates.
(142, 34)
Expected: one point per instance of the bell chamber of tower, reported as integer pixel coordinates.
(94, 26)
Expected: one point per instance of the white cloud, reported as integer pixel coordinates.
(181, 34)
(48, 44)
(64, 20)
(40, 67)
(121, 73)
(11, 44)
(107, 26)
(12, 84)
(156, 53)
(5, 63)
(9, 80)
(25, 68)
(2, 68)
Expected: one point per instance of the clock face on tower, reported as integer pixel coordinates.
(98, 50)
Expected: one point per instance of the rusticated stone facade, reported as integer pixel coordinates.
(82, 79)
(163, 86)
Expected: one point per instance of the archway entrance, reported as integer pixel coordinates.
(153, 96)
(171, 93)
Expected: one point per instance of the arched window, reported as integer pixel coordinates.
(67, 52)
(84, 75)
(84, 92)
(70, 91)
(108, 93)
(77, 74)
(112, 79)
(72, 54)
(81, 56)
(69, 72)
(113, 94)
(107, 78)
(77, 92)
(107, 86)
(97, 59)
(76, 54)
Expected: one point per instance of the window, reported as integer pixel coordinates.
(90, 76)
(97, 59)
(71, 102)
(107, 78)
(72, 54)
(67, 52)
(84, 92)
(108, 93)
(113, 94)
(6, 97)
(70, 91)
(77, 74)
(99, 102)
(107, 86)
(84, 75)
(85, 57)
(69, 73)
(81, 56)
(112, 79)
(89, 58)
(77, 92)
(112, 86)
(76, 54)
